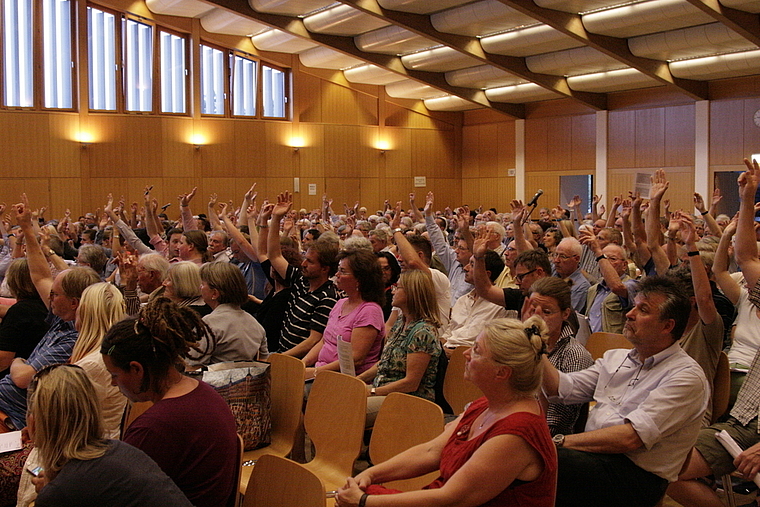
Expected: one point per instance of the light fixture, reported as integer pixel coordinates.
(198, 140)
(85, 139)
(383, 146)
(296, 143)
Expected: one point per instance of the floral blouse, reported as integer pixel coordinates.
(419, 336)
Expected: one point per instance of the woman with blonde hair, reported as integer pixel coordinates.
(409, 362)
(79, 466)
(183, 286)
(505, 363)
(101, 306)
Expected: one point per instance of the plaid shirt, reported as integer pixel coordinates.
(567, 356)
(747, 403)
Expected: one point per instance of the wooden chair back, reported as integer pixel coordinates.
(286, 404)
(132, 412)
(721, 388)
(458, 391)
(403, 422)
(599, 343)
(334, 420)
(280, 482)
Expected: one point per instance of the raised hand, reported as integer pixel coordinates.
(284, 203)
(429, 204)
(659, 185)
(184, 199)
(251, 194)
(748, 181)
(716, 197)
(23, 212)
(575, 202)
(212, 200)
(699, 203)
(518, 212)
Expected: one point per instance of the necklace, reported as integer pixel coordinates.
(483, 422)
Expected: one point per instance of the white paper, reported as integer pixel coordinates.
(10, 441)
(733, 449)
(346, 357)
(643, 184)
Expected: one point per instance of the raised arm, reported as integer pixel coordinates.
(712, 225)
(616, 201)
(407, 253)
(605, 266)
(463, 225)
(639, 232)
(518, 216)
(723, 278)
(445, 252)
(248, 199)
(595, 207)
(702, 290)
(416, 215)
(654, 234)
(625, 214)
(746, 240)
(188, 223)
(284, 203)
(38, 266)
(262, 222)
(213, 218)
(234, 233)
(126, 232)
(483, 286)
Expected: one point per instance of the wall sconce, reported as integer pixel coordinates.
(383, 146)
(198, 140)
(296, 143)
(85, 139)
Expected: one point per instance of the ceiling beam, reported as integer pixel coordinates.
(345, 45)
(744, 23)
(470, 46)
(617, 48)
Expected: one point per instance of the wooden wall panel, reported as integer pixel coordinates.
(536, 145)
(308, 97)
(471, 151)
(621, 139)
(65, 193)
(621, 181)
(583, 142)
(559, 142)
(311, 160)
(398, 159)
(177, 150)
(505, 138)
(488, 151)
(217, 157)
(726, 134)
(25, 148)
(65, 150)
(679, 136)
(250, 150)
(650, 137)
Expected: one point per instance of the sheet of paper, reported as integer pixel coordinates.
(10, 441)
(733, 448)
(643, 184)
(346, 357)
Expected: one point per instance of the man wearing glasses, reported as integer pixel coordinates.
(650, 403)
(566, 260)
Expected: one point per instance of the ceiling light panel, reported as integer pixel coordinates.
(420, 6)
(371, 75)
(184, 8)
(572, 62)
(325, 58)
(342, 20)
(392, 40)
(479, 18)
(528, 92)
(692, 42)
(481, 77)
(221, 21)
(746, 63)
(533, 40)
(288, 7)
(612, 81)
(441, 59)
(645, 18)
(281, 42)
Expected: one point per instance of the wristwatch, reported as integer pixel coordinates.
(372, 392)
(559, 439)
(398, 229)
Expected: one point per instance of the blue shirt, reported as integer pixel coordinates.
(54, 348)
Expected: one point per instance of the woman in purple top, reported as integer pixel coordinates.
(357, 318)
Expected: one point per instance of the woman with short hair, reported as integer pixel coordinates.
(183, 286)
(238, 336)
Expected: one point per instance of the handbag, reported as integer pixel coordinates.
(245, 386)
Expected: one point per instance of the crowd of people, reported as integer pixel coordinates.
(131, 299)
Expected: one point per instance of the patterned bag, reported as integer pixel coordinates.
(246, 388)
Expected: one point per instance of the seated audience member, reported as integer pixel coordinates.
(218, 242)
(356, 318)
(152, 270)
(471, 312)
(313, 294)
(410, 357)
(650, 402)
(609, 300)
(566, 264)
(416, 252)
(183, 286)
(454, 259)
(193, 247)
(529, 267)
(391, 271)
(549, 298)
(470, 454)
(62, 297)
(23, 325)
(605, 236)
(80, 467)
(237, 335)
(709, 457)
(551, 239)
(92, 256)
(189, 431)
(380, 240)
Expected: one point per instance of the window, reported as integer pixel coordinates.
(212, 80)
(173, 73)
(274, 97)
(57, 58)
(139, 66)
(18, 49)
(101, 42)
(243, 86)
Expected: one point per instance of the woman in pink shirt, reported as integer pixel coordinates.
(357, 318)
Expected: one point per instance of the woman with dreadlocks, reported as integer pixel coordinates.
(189, 431)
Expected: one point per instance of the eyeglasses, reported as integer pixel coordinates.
(562, 257)
(545, 312)
(519, 278)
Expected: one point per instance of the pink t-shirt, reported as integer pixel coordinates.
(364, 315)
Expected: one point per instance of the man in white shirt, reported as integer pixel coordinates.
(649, 407)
